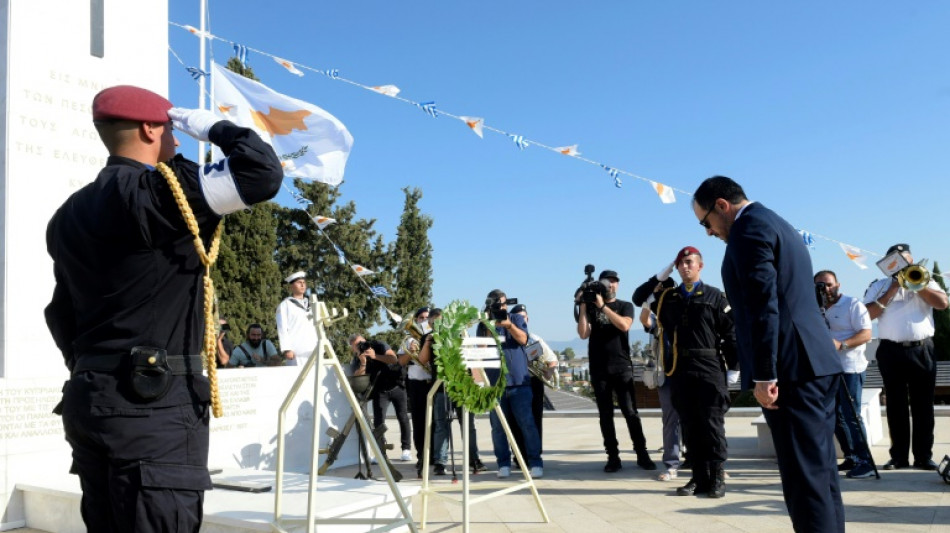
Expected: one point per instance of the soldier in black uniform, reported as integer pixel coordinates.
(128, 307)
(697, 326)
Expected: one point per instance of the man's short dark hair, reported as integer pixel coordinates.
(718, 187)
(254, 326)
(823, 272)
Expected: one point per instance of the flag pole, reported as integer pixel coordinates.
(201, 61)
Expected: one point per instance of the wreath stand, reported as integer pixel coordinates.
(324, 356)
(478, 353)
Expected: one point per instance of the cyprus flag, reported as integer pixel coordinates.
(311, 143)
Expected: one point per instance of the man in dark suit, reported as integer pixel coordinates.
(784, 346)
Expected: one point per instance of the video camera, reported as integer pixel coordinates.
(588, 291)
(498, 310)
(821, 293)
(590, 288)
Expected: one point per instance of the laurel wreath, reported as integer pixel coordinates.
(447, 334)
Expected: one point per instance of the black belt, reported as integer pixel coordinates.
(906, 344)
(180, 365)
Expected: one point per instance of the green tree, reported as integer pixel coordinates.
(412, 253)
(569, 353)
(301, 246)
(246, 278)
(941, 323)
(234, 65)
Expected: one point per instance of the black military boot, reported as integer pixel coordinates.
(644, 461)
(718, 478)
(687, 490)
(613, 464)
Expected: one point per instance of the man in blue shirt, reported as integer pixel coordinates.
(516, 402)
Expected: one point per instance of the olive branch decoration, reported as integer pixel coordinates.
(457, 317)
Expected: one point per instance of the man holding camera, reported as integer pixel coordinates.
(606, 321)
(516, 401)
(376, 359)
(850, 326)
(696, 324)
(905, 356)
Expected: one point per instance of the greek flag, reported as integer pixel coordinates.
(339, 253)
(429, 108)
(380, 291)
(615, 174)
(301, 200)
(240, 51)
(332, 73)
(807, 238)
(519, 141)
(196, 72)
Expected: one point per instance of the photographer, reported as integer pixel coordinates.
(376, 359)
(695, 325)
(516, 402)
(850, 326)
(606, 321)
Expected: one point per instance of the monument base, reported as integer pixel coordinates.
(53, 505)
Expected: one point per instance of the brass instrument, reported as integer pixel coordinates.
(537, 368)
(415, 331)
(914, 277)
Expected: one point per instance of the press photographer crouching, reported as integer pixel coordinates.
(606, 321)
(377, 360)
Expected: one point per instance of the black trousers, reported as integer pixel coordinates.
(701, 398)
(417, 390)
(621, 384)
(398, 398)
(909, 372)
(141, 469)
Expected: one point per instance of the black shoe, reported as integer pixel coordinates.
(895, 465)
(440, 470)
(718, 488)
(686, 465)
(478, 466)
(846, 465)
(688, 489)
(644, 461)
(924, 465)
(613, 465)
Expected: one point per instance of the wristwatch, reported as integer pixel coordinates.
(844, 346)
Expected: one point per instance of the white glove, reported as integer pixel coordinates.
(194, 122)
(662, 275)
(732, 377)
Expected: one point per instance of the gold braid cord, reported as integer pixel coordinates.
(207, 259)
(659, 326)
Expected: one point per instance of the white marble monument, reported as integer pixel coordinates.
(55, 57)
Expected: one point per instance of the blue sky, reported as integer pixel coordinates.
(831, 113)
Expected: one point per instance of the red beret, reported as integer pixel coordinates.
(689, 250)
(125, 102)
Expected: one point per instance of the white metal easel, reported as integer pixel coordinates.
(323, 357)
(478, 353)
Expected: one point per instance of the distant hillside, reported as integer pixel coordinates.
(580, 346)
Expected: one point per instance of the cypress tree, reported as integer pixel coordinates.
(246, 278)
(301, 246)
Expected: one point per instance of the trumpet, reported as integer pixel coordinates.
(537, 368)
(914, 277)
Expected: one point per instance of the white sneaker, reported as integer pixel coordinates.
(668, 475)
(504, 471)
(406, 455)
(537, 472)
